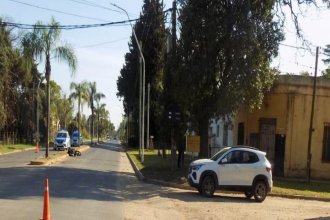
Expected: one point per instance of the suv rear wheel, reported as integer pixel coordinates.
(208, 186)
(260, 191)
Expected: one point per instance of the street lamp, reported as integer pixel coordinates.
(143, 86)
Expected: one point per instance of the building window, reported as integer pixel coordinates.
(326, 143)
(218, 129)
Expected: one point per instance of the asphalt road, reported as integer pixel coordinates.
(86, 187)
(101, 185)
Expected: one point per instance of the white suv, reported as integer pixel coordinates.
(238, 168)
(62, 140)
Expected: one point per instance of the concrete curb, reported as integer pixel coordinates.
(138, 174)
(180, 186)
(56, 157)
(16, 151)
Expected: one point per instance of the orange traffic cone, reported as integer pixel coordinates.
(37, 148)
(46, 214)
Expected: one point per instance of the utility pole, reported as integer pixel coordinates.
(148, 115)
(127, 127)
(173, 145)
(174, 29)
(140, 112)
(143, 110)
(142, 76)
(311, 129)
(142, 105)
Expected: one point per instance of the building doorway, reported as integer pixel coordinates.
(267, 137)
(279, 155)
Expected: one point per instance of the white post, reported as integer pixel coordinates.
(148, 115)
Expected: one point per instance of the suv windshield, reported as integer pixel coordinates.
(61, 135)
(219, 154)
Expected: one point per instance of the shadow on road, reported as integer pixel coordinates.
(71, 183)
(196, 197)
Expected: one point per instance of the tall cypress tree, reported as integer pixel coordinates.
(150, 30)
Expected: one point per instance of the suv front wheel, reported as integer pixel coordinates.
(248, 194)
(208, 186)
(260, 191)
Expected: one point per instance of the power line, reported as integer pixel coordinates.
(65, 27)
(85, 2)
(107, 42)
(305, 49)
(57, 11)
(295, 47)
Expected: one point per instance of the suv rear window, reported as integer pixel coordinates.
(250, 157)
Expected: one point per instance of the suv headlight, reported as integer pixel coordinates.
(196, 167)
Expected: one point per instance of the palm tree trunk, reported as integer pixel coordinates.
(92, 125)
(98, 121)
(78, 116)
(48, 70)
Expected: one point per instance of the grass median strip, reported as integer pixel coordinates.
(13, 147)
(156, 167)
(55, 156)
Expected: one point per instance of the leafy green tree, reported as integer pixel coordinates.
(17, 89)
(65, 111)
(305, 73)
(79, 93)
(45, 43)
(326, 73)
(102, 114)
(225, 52)
(94, 96)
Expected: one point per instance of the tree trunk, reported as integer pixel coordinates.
(98, 121)
(78, 116)
(48, 70)
(92, 125)
(204, 137)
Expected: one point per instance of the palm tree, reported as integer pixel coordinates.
(45, 43)
(79, 92)
(93, 96)
(101, 111)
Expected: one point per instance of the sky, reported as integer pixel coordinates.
(100, 51)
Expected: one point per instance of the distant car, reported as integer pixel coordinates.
(62, 140)
(239, 168)
(76, 139)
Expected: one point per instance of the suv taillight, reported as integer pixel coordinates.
(268, 169)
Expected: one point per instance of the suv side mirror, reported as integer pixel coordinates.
(224, 160)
